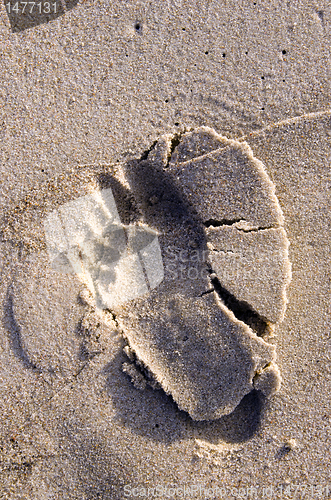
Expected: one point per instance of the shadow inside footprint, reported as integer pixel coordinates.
(161, 201)
(237, 427)
(125, 202)
(154, 415)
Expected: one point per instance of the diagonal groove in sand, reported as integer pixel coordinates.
(241, 309)
(14, 333)
(288, 121)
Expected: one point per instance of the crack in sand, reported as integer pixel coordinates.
(219, 223)
(239, 224)
(241, 309)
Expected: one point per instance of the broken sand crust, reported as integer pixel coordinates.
(197, 348)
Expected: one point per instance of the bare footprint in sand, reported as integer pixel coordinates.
(203, 331)
(202, 327)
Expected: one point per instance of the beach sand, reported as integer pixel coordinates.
(84, 96)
